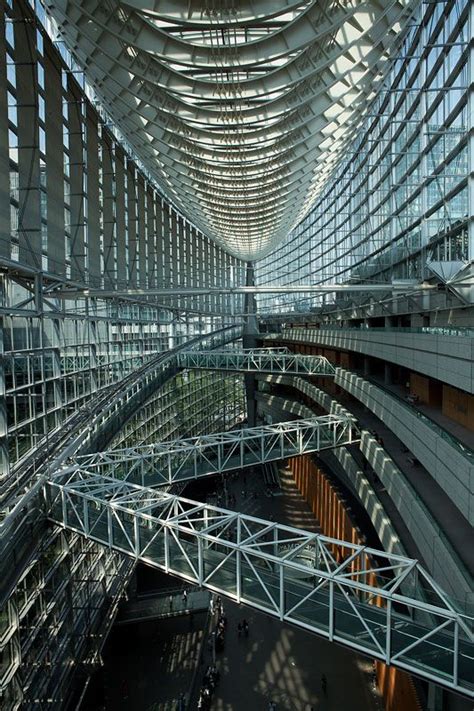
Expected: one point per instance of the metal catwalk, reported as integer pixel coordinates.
(257, 361)
(179, 460)
(378, 603)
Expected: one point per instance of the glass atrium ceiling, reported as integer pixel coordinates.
(240, 108)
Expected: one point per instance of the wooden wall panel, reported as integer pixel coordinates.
(346, 360)
(327, 506)
(428, 390)
(459, 406)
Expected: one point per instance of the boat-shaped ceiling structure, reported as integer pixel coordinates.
(240, 108)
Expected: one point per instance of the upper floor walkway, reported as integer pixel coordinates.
(444, 354)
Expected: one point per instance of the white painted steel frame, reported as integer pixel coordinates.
(257, 361)
(378, 603)
(241, 113)
(167, 463)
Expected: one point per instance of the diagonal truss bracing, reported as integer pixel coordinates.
(378, 603)
(257, 361)
(171, 462)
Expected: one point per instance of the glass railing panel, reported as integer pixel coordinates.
(152, 546)
(307, 602)
(363, 624)
(222, 576)
(97, 517)
(183, 557)
(260, 584)
(123, 530)
(440, 431)
(428, 330)
(434, 654)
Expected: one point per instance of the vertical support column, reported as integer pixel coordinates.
(366, 365)
(435, 701)
(200, 561)
(204, 268)
(93, 207)
(110, 532)
(423, 127)
(166, 256)
(388, 633)
(153, 256)
(77, 180)
(470, 133)
(4, 458)
(456, 654)
(190, 251)
(136, 536)
(141, 237)
(249, 340)
(110, 246)
(175, 236)
(282, 591)
(160, 247)
(133, 243)
(55, 166)
(121, 236)
(167, 549)
(4, 154)
(172, 334)
(331, 611)
(29, 223)
(238, 568)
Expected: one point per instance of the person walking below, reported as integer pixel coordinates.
(185, 597)
(245, 627)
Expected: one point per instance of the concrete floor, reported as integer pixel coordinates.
(149, 664)
(283, 664)
(279, 662)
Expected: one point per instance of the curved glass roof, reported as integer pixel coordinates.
(239, 107)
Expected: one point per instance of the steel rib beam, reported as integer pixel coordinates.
(189, 97)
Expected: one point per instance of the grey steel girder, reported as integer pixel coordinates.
(194, 14)
(403, 286)
(383, 605)
(167, 463)
(211, 105)
(137, 30)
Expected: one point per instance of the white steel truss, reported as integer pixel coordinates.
(378, 603)
(240, 109)
(257, 361)
(407, 285)
(180, 460)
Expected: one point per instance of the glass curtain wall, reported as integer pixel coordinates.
(400, 197)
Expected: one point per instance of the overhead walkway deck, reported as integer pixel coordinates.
(380, 604)
(171, 462)
(257, 361)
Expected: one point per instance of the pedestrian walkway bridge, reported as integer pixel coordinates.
(180, 460)
(380, 604)
(256, 361)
